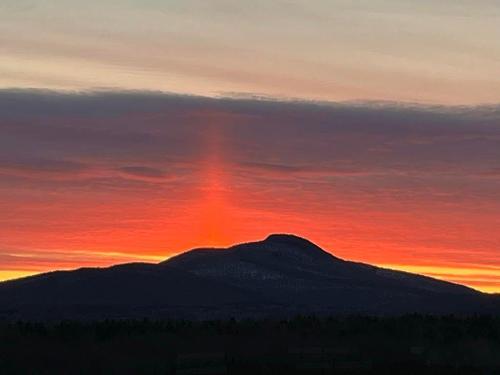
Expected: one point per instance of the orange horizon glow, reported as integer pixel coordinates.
(216, 220)
(482, 279)
(213, 219)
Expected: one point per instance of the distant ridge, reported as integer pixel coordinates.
(282, 275)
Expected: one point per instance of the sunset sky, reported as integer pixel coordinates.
(133, 130)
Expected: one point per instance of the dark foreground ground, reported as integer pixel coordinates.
(353, 345)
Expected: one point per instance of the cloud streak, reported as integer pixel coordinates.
(444, 52)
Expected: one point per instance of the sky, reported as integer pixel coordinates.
(428, 51)
(134, 130)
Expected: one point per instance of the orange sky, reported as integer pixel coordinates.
(151, 229)
(93, 180)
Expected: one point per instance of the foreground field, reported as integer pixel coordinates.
(350, 345)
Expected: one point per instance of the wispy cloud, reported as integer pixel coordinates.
(41, 167)
(426, 51)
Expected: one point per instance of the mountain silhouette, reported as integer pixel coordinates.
(282, 275)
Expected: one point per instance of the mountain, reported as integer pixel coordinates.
(282, 275)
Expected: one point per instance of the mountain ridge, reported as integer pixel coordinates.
(281, 275)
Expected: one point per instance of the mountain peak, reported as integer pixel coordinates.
(291, 241)
(284, 236)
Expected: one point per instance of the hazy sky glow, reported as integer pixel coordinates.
(371, 127)
(420, 51)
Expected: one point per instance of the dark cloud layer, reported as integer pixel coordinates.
(144, 130)
(141, 171)
(115, 140)
(41, 166)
